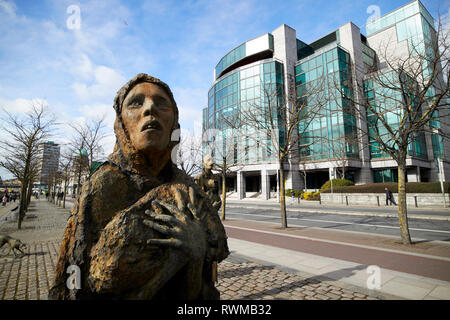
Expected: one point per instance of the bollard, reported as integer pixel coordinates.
(415, 201)
(346, 200)
(378, 200)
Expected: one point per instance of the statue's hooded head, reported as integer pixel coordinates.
(146, 120)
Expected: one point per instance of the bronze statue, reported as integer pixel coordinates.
(209, 183)
(14, 244)
(141, 228)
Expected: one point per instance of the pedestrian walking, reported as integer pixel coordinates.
(4, 199)
(389, 197)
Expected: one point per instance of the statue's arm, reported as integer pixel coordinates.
(143, 247)
(122, 261)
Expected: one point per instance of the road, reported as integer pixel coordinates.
(354, 238)
(420, 229)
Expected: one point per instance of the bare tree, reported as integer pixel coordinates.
(52, 182)
(24, 134)
(80, 161)
(189, 153)
(344, 148)
(404, 98)
(66, 164)
(279, 123)
(222, 147)
(87, 145)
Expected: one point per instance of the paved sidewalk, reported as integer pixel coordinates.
(252, 271)
(4, 210)
(30, 277)
(248, 278)
(343, 274)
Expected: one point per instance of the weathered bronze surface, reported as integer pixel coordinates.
(142, 229)
(209, 183)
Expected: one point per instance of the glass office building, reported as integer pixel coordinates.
(334, 62)
(334, 128)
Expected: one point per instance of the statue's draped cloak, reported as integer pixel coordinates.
(106, 239)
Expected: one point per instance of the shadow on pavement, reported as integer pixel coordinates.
(238, 272)
(335, 275)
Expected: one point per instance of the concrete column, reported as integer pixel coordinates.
(413, 174)
(332, 173)
(350, 39)
(364, 175)
(265, 185)
(294, 180)
(240, 185)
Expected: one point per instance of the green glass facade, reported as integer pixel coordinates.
(242, 89)
(323, 70)
(388, 102)
(232, 57)
(414, 24)
(332, 134)
(397, 16)
(385, 175)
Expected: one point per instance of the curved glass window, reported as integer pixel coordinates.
(233, 56)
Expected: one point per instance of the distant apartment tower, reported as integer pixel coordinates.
(49, 159)
(280, 59)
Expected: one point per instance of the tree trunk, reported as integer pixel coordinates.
(49, 191)
(79, 181)
(29, 192)
(304, 182)
(65, 192)
(282, 198)
(224, 195)
(402, 210)
(21, 213)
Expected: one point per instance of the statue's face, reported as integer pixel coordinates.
(148, 115)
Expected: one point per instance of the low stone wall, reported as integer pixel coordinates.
(375, 199)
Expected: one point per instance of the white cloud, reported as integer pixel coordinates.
(95, 111)
(8, 7)
(190, 102)
(83, 68)
(107, 82)
(20, 105)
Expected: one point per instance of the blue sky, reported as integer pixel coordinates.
(78, 71)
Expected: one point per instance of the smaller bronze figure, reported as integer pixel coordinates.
(209, 183)
(14, 244)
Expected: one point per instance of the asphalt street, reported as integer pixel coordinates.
(306, 205)
(420, 229)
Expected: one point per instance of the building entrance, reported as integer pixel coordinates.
(253, 184)
(314, 180)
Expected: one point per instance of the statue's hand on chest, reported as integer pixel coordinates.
(178, 220)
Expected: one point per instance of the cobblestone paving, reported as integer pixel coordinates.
(30, 276)
(252, 281)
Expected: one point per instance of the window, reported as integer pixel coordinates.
(385, 175)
